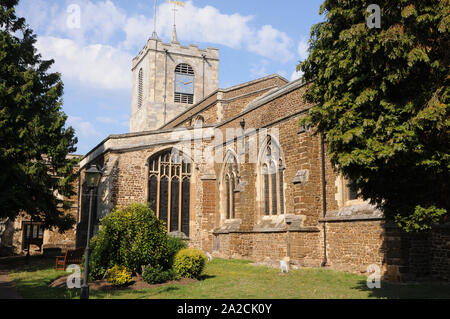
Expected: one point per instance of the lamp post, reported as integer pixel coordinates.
(93, 176)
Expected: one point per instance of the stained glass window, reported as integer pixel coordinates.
(231, 182)
(272, 173)
(169, 190)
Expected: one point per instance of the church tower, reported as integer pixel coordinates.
(168, 79)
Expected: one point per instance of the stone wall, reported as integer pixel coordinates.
(304, 246)
(411, 256)
(158, 61)
(354, 232)
(440, 253)
(354, 245)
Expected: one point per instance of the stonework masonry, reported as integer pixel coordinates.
(232, 206)
(158, 61)
(350, 235)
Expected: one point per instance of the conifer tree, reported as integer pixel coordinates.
(382, 102)
(34, 142)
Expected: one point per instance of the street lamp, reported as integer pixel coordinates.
(93, 176)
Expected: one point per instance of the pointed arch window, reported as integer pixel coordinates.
(198, 121)
(140, 87)
(272, 177)
(169, 190)
(231, 180)
(184, 84)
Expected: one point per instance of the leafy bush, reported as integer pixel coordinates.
(421, 220)
(98, 260)
(131, 236)
(174, 245)
(157, 275)
(189, 263)
(118, 275)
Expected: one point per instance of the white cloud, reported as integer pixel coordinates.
(205, 24)
(122, 121)
(96, 66)
(296, 75)
(137, 30)
(103, 19)
(302, 49)
(272, 43)
(99, 21)
(99, 54)
(208, 24)
(85, 128)
(259, 69)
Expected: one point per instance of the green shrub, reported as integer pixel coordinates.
(157, 275)
(118, 275)
(97, 260)
(131, 236)
(189, 263)
(421, 220)
(174, 245)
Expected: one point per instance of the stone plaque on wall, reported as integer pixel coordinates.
(301, 177)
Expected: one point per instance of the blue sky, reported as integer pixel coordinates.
(94, 53)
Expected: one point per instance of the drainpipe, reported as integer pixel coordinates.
(324, 201)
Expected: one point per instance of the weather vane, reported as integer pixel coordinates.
(175, 4)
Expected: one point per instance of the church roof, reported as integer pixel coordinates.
(201, 105)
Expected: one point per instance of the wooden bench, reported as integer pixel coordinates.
(72, 257)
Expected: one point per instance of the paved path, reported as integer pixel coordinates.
(7, 287)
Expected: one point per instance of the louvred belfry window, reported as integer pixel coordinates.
(140, 87)
(184, 84)
(169, 190)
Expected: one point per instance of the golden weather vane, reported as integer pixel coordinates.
(175, 4)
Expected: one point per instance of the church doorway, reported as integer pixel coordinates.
(169, 188)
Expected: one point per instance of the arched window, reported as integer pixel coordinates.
(198, 121)
(272, 178)
(345, 195)
(184, 84)
(140, 87)
(231, 180)
(169, 189)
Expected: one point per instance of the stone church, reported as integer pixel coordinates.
(232, 172)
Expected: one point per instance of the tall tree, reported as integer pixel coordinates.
(34, 142)
(382, 102)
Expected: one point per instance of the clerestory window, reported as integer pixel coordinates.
(272, 177)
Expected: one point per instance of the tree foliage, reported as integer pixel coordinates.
(129, 236)
(34, 141)
(382, 102)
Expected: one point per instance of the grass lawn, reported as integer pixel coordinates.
(233, 279)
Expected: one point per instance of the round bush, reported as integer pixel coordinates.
(174, 245)
(131, 236)
(118, 275)
(157, 275)
(189, 263)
